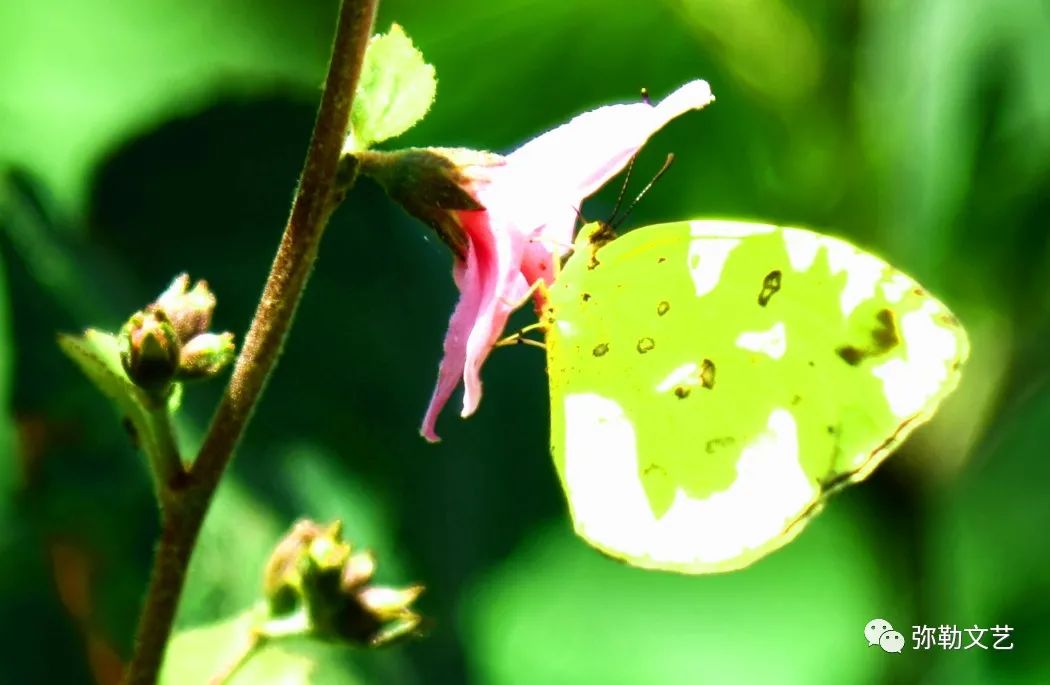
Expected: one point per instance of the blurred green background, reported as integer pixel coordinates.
(139, 140)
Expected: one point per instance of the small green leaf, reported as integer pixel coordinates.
(242, 526)
(201, 654)
(555, 612)
(226, 652)
(394, 93)
(97, 353)
(182, 57)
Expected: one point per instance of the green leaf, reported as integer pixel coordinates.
(988, 555)
(123, 65)
(241, 526)
(200, 654)
(7, 429)
(559, 613)
(97, 353)
(927, 108)
(395, 91)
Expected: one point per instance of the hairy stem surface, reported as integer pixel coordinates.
(314, 201)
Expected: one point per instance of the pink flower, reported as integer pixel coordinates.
(523, 207)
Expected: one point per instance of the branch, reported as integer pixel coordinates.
(165, 462)
(313, 204)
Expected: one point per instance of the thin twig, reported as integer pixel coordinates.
(165, 462)
(313, 204)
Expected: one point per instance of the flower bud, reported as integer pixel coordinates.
(313, 568)
(391, 609)
(282, 580)
(149, 350)
(188, 310)
(387, 603)
(205, 355)
(358, 570)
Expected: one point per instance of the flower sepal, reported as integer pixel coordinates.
(434, 185)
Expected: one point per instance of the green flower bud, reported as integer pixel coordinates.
(313, 568)
(149, 351)
(391, 610)
(189, 310)
(358, 570)
(205, 355)
(387, 603)
(282, 580)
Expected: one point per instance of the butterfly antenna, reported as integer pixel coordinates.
(627, 212)
(623, 190)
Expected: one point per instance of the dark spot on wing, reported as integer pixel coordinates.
(718, 443)
(600, 349)
(707, 373)
(796, 400)
(918, 291)
(661, 260)
(645, 345)
(663, 307)
(681, 391)
(851, 355)
(812, 363)
(770, 286)
(947, 318)
(886, 336)
(653, 467)
(585, 297)
(594, 263)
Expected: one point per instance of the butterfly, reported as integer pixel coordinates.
(713, 382)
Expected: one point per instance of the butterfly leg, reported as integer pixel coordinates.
(538, 286)
(519, 338)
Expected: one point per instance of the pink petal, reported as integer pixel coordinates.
(503, 288)
(537, 261)
(491, 287)
(573, 160)
(467, 277)
(530, 211)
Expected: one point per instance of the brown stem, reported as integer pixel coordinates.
(314, 201)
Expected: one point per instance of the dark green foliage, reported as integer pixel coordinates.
(138, 132)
